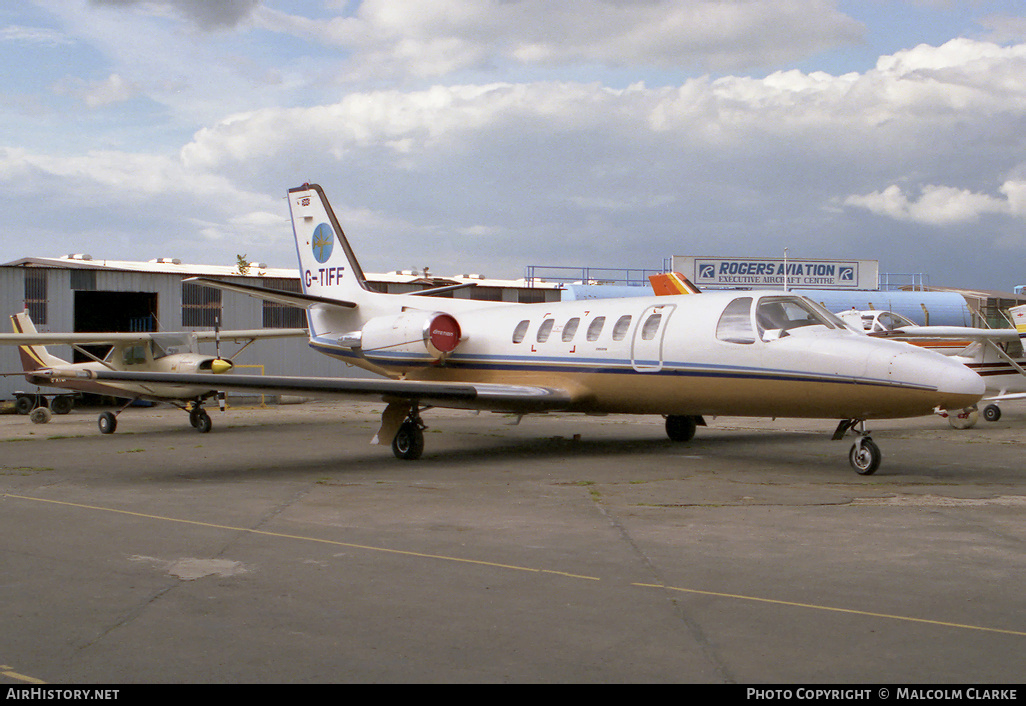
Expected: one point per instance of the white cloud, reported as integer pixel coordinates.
(35, 35)
(936, 205)
(96, 94)
(434, 37)
(502, 171)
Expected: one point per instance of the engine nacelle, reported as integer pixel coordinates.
(410, 336)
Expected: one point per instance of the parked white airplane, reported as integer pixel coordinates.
(887, 324)
(156, 352)
(749, 353)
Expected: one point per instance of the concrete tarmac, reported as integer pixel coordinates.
(283, 548)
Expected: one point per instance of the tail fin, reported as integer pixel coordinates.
(33, 357)
(672, 283)
(327, 265)
(1019, 319)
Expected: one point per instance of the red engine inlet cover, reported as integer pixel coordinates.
(444, 333)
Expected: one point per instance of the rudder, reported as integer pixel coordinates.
(33, 357)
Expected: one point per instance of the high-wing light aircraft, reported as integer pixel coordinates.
(748, 353)
(887, 324)
(157, 352)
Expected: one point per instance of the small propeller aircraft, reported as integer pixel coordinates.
(163, 352)
(887, 324)
(996, 355)
(685, 357)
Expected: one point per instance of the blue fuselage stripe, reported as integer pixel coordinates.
(604, 366)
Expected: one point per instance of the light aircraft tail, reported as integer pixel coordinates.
(669, 283)
(327, 265)
(33, 357)
(1019, 319)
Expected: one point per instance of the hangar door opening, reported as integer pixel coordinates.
(113, 311)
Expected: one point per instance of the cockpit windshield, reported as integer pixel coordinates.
(887, 321)
(171, 343)
(777, 317)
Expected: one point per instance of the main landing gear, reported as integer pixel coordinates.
(198, 418)
(401, 423)
(682, 427)
(864, 455)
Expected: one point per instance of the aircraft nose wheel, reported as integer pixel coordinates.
(865, 456)
(200, 420)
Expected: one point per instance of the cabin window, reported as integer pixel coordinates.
(134, 355)
(735, 325)
(648, 331)
(595, 327)
(520, 331)
(545, 329)
(570, 329)
(620, 329)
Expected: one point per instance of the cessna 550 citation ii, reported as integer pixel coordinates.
(151, 352)
(746, 353)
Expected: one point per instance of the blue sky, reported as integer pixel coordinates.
(487, 135)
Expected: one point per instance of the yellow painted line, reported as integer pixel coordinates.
(813, 606)
(8, 672)
(479, 562)
(280, 535)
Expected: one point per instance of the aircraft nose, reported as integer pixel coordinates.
(221, 365)
(957, 386)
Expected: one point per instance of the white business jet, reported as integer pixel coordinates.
(151, 352)
(747, 353)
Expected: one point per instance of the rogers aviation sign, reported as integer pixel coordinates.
(775, 272)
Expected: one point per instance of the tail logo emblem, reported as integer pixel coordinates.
(322, 243)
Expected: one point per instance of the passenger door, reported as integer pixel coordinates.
(647, 345)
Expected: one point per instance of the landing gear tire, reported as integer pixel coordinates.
(865, 457)
(61, 404)
(408, 443)
(200, 420)
(964, 419)
(680, 428)
(992, 413)
(24, 404)
(40, 415)
(107, 423)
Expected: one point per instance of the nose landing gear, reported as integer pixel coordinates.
(864, 455)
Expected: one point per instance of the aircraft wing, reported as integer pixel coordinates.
(272, 295)
(111, 338)
(82, 339)
(256, 334)
(959, 332)
(459, 395)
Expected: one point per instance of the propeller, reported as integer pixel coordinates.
(219, 364)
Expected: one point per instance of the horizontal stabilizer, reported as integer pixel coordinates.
(272, 295)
